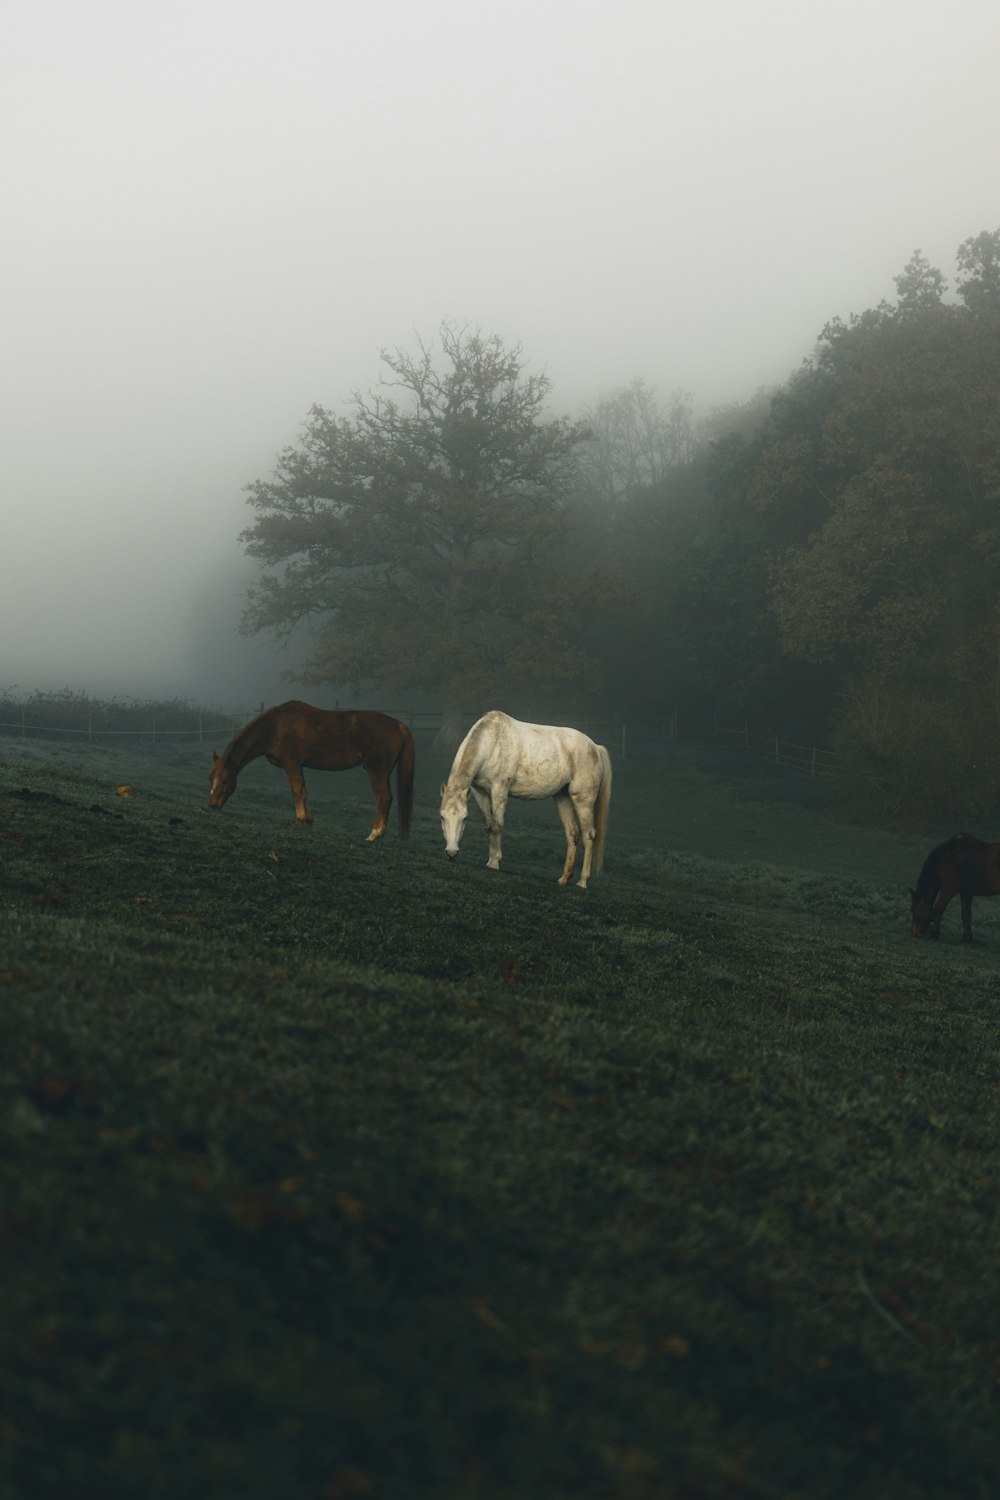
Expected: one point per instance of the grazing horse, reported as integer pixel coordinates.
(965, 866)
(500, 757)
(294, 735)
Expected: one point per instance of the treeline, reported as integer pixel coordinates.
(826, 560)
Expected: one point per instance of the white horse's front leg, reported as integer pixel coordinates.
(571, 827)
(492, 805)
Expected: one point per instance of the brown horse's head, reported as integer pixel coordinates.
(921, 911)
(221, 780)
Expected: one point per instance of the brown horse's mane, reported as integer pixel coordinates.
(244, 740)
(929, 879)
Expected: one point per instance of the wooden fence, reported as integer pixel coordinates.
(811, 758)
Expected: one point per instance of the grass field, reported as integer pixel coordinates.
(338, 1170)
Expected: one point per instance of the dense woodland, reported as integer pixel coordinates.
(823, 561)
(833, 567)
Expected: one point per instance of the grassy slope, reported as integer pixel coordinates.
(338, 1170)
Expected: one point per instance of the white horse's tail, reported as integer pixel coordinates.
(601, 806)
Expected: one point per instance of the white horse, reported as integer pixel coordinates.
(500, 757)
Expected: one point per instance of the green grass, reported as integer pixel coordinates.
(337, 1170)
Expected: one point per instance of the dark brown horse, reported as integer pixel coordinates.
(294, 735)
(964, 866)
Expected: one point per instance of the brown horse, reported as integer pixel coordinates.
(964, 866)
(294, 735)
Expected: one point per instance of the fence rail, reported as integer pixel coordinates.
(625, 736)
(811, 758)
(95, 732)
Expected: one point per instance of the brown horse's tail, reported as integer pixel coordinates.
(601, 807)
(404, 780)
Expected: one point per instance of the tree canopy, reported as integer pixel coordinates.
(634, 443)
(824, 560)
(417, 538)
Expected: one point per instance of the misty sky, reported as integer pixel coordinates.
(216, 214)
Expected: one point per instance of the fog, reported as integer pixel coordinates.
(216, 214)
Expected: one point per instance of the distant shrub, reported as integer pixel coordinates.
(73, 713)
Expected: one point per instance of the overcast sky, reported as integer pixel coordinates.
(216, 213)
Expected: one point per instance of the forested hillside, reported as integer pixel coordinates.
(826, 560)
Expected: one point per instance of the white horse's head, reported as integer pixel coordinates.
(454, 811)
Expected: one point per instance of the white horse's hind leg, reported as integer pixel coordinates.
(585, 815)
(571, 826)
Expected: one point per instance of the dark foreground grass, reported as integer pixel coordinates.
(335, 1170)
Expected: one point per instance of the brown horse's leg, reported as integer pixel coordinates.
(379, 781)
(966, 917)
(934, 925)
(297, 782)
